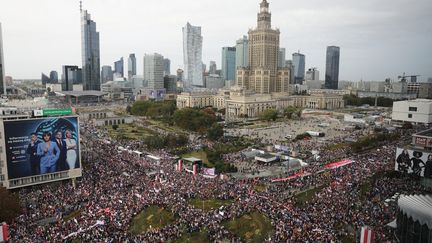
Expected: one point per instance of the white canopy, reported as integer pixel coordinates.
(419, 207)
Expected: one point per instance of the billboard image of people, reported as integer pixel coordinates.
(414, 162)
(41, 146)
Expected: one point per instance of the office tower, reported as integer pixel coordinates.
(54, 77)
(228, 63)
(180, 74)
(192, 56)
(290, 65)
(118, 67)
(212, 67)
(45, 79)
(90, 53)
(299, 67)
(153, 71)
(107, 74)
(281, 62)
(131, 66)
(332, 67)
(204, 68)
(214, 81)
(170, 83)
(70, 75)
(2, 71)
(242, 52)
(262, 74)
(167, 66)
(312, 74)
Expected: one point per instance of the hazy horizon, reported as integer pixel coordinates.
(376, 40)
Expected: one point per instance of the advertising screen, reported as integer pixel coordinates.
(414, 162)
(41, 146)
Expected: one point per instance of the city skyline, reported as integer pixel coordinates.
(396, 35)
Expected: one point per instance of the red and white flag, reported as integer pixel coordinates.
(194, 169)
(180, 165)
(367, 235)
(4, 232)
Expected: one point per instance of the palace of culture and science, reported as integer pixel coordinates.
(260, 85)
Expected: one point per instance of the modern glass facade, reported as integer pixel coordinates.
(192, 56)
(107, 74)
(153, 71)
(299, 67)
(242, 52)
(228, 63)
(54, 77)
(167, 66)
(131, 66)
(70, 75)
(281, 62)
(90, 53)
(118, 67)
(332, 67)
(2, 71)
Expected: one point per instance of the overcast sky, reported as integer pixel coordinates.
(378, 38)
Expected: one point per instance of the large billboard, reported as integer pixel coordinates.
(41, 146)
(414, 162)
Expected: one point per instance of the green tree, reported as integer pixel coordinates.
(289, 111)
(115, 126)
(215, 132)
(193, 119)
(9, 205)
(269, 115)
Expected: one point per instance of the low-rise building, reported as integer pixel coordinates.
(417, 111)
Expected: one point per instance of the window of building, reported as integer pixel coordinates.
(412, 108)
(409, 115)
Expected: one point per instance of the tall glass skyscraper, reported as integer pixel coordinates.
(131, 66)
(281, 61)
(107, 74)
(90, 53)
(192, 56)
(299, 67)
(242, 52)
(118, 67)
(71, 75)
(332, 67)
(153, 71)
(2, 71)
(228, 63)
(167, 66)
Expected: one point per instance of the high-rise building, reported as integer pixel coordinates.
(70, 75)
(153, 71)
(192, 56)
(212, 67)
(262, 74)
(242, 52)
(2, 71)
(131, 66)
(228, 63)
(332, 67)
(312, 74)
(54, 77)
(118, 67)
(281, 61)
(90, 53)
(167, 66)
(180, 74)
(170, 83)
(107, 74)
(45, 79)
(299, 67)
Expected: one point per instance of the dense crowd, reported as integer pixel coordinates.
(116, 186)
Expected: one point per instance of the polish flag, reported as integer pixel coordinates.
(180, 165)
(3, 232)
(367, 235)
(194, 169)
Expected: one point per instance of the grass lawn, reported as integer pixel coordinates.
(200, 155)
(129, 131)
(209, 204)
(195, 237)
(252, 227)
(150, 218)
(306, 196)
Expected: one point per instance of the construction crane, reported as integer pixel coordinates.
(412, 77)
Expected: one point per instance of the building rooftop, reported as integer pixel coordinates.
(425, 133)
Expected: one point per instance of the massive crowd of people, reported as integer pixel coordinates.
(116, 186)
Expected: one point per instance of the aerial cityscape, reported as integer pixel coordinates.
(190, 123)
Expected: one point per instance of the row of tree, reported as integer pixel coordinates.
(168, 141)
(370, 142)
(289, 112)
(353, 100)
(153, 109)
